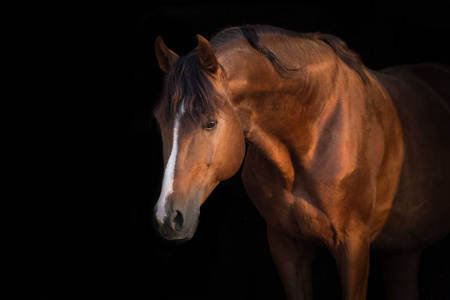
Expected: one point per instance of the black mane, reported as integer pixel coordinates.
(348, 56)
(251, 34)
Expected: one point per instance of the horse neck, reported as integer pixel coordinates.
(286, 119)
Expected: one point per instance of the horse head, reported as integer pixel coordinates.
(203, 142)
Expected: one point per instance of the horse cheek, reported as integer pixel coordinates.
(233, 153)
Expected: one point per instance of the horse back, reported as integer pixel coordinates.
(419, 214)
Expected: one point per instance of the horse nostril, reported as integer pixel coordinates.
(178, 221)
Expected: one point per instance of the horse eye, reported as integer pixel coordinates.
(211, 125)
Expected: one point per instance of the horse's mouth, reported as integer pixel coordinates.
(180, 236)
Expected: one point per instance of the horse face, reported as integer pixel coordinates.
(197, 158)
(203, 141)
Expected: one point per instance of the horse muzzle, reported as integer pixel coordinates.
(177, 224)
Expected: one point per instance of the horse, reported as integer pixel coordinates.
(338, 155)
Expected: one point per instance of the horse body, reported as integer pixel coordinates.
(328, 149)
(338, 155)
(418, 216)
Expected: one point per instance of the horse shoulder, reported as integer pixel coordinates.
(266, 189)
(293, 212)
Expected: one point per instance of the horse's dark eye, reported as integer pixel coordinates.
(211, 125)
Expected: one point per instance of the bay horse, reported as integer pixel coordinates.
(338, 155)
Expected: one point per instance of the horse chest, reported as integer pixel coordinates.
(291, 212)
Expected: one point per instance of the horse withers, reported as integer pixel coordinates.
(338, 155)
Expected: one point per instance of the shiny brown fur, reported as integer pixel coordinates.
(338, 155)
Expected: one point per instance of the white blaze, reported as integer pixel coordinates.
(169, 172)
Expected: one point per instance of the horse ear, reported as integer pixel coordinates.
(207, 56)
(166, 57)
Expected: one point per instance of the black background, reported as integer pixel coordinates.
(228, 258)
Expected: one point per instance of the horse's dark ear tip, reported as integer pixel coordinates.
(201, 39)
(158, 40)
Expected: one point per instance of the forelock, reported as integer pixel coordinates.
(189, 86)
